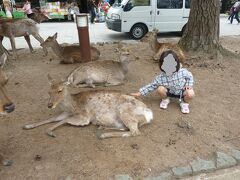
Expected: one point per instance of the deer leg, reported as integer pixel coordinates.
(129, 119)
(111, 128)
(50, 130)
(112, 83)
(73, 120)
(3, 48)
(27, 38)
(115, 134)
(89, 82)
(12, 40)
(60, 117)
(41, 40)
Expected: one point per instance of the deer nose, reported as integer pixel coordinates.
(50, 105)
(9, 107)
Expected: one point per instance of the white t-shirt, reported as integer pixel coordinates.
(236, 4)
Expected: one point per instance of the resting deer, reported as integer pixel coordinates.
(106, 73)
(18, 28)
(68, 54)
(6, 105)
(109, 109)
(157, 47)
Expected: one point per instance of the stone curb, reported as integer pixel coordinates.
(218, 161)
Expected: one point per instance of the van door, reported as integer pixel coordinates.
(169, 15)
(137, 12)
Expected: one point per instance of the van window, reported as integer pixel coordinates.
(169, 4)
(187, 4)
(132, 3)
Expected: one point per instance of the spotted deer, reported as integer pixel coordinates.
(105, 73)
(68, 54)
(6, 105)
(18, 28)
(107, 109)
(159, 48)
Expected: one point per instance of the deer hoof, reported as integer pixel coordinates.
(50, 133)
(102, 136)
(28, 126)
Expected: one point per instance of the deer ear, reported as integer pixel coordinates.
(55, 36)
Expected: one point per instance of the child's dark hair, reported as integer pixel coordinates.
(165, 54)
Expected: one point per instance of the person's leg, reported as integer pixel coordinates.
(162, 91)
(232, 17)
(92, 15)
(237, 17)
(187, 97)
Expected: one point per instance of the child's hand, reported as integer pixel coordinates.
(138, 94)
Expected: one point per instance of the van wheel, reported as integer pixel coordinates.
(138, 31)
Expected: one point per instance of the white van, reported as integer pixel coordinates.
(140, 16)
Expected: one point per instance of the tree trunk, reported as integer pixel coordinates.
(202, 30)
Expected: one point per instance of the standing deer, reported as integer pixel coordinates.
(6, 105)
(68, 54)
(106, 73)
(18, 28)
(159, 48)
(109, 109)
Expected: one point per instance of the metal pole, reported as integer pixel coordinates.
(83, 35)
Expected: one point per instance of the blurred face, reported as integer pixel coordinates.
(169, 65)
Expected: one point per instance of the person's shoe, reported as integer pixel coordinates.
(184, 107)
(164, 103)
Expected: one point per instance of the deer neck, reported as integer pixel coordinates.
(57, 49)
(155, 45)
(68, 104)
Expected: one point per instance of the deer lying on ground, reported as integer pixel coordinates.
(18, 28)
(109, 109)
(6, 105)
(68, 54)
(157, 47)
(106, 73)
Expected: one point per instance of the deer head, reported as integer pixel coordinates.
(39, 16)
(56, 92)
(151, 36)
(50, 41)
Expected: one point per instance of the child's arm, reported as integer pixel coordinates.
(148, 88)
(189, 79)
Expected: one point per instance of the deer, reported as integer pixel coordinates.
(68, 54)
(159, 48)
(17, 28)
(108, 109)
(6, 105)
(39, 16)
(105, 72)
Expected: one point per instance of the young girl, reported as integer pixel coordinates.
(173, 81)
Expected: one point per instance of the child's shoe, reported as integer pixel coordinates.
(184, 107)
(164, 103)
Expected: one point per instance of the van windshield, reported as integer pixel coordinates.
(133, 3)
(118, 3)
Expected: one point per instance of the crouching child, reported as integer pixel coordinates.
(173, 81)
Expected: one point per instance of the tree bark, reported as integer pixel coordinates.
(202, 30)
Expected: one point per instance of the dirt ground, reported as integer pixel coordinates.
(77, 152)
